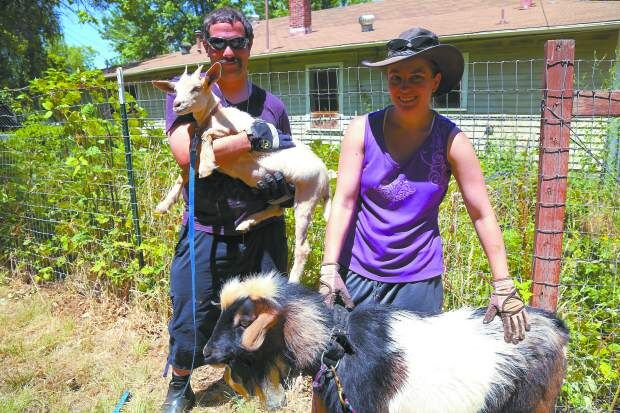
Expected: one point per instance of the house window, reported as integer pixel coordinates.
(451, 100)
(457, 98)
(324, 96)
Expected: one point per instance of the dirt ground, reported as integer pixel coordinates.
(65, 351)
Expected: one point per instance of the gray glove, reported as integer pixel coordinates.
(506, 302)
(273, 189)
(332, 286)
(264, 137)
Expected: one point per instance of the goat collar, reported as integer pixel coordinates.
(338, 346)
(199, 129)
(215, 109)
(339, 343)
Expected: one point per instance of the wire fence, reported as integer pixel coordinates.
(66, 203)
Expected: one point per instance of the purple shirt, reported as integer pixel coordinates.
(223, 202)
(395, 234)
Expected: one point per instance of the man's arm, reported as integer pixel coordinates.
(225, 149)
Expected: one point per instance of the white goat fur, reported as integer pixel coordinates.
(299, 165)
(466, 367)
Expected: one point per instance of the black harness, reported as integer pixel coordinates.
(338, 346)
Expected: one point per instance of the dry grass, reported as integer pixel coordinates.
(63, 351)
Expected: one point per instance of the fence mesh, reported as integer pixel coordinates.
(65, 205)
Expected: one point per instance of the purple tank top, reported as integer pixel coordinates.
(394, 236)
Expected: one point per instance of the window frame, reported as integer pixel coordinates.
(333, 65)
(464, 88)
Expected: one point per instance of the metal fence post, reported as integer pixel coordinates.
(556, 114)
(129, 162)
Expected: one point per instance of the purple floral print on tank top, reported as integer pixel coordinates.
(394, 236)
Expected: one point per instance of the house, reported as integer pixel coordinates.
(316, 67)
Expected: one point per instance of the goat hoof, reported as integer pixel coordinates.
(206, 170)
(245, 225)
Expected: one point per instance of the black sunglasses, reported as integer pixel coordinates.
(419, 42)
(235, 43)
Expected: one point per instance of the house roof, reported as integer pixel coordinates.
(450, 19)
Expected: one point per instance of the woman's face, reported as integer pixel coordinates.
(411, 84)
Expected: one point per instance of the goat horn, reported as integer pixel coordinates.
(197, 72)
(185, 72)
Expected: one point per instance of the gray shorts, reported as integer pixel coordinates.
(423, 297)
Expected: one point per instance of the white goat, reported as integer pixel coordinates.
(400, 362)
(299, 165)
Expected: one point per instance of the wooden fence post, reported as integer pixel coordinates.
(556, 114)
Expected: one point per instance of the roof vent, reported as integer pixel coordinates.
(185, 47)
(366, 21)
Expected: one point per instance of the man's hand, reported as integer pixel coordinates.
(264, 137)
(511, 309)
(274, 190)
(332, 285)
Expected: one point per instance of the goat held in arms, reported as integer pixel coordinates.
(399, 361)
(298, 164)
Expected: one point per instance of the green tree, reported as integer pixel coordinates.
(140, 29)
(69, 59)
(26, 27)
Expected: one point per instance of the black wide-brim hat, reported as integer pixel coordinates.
(418, 42)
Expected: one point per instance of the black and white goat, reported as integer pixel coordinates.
(401, 362)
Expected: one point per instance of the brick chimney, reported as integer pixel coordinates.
(198, 34)
(300, 19)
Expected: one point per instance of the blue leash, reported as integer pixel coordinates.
(192, 240)
(122, 401)
(192, 247)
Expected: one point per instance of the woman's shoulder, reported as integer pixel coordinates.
(445, 125)
(377, 114)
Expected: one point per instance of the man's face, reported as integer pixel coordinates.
(234, 61)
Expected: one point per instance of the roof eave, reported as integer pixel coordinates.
(455, 37)
(613, 24)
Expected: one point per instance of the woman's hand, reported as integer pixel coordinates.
(332, 286)
(511, 309)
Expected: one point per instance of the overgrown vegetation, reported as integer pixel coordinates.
(64, 209)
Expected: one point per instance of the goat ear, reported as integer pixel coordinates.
(254, 335)
(164, 85)
(213, 74)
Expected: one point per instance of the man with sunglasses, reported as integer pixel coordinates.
(221, 202)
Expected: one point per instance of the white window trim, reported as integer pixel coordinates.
(334, 65)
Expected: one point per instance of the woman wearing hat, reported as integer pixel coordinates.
(395, 164)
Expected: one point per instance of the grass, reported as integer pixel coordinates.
(113, 345)
(63, 351)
